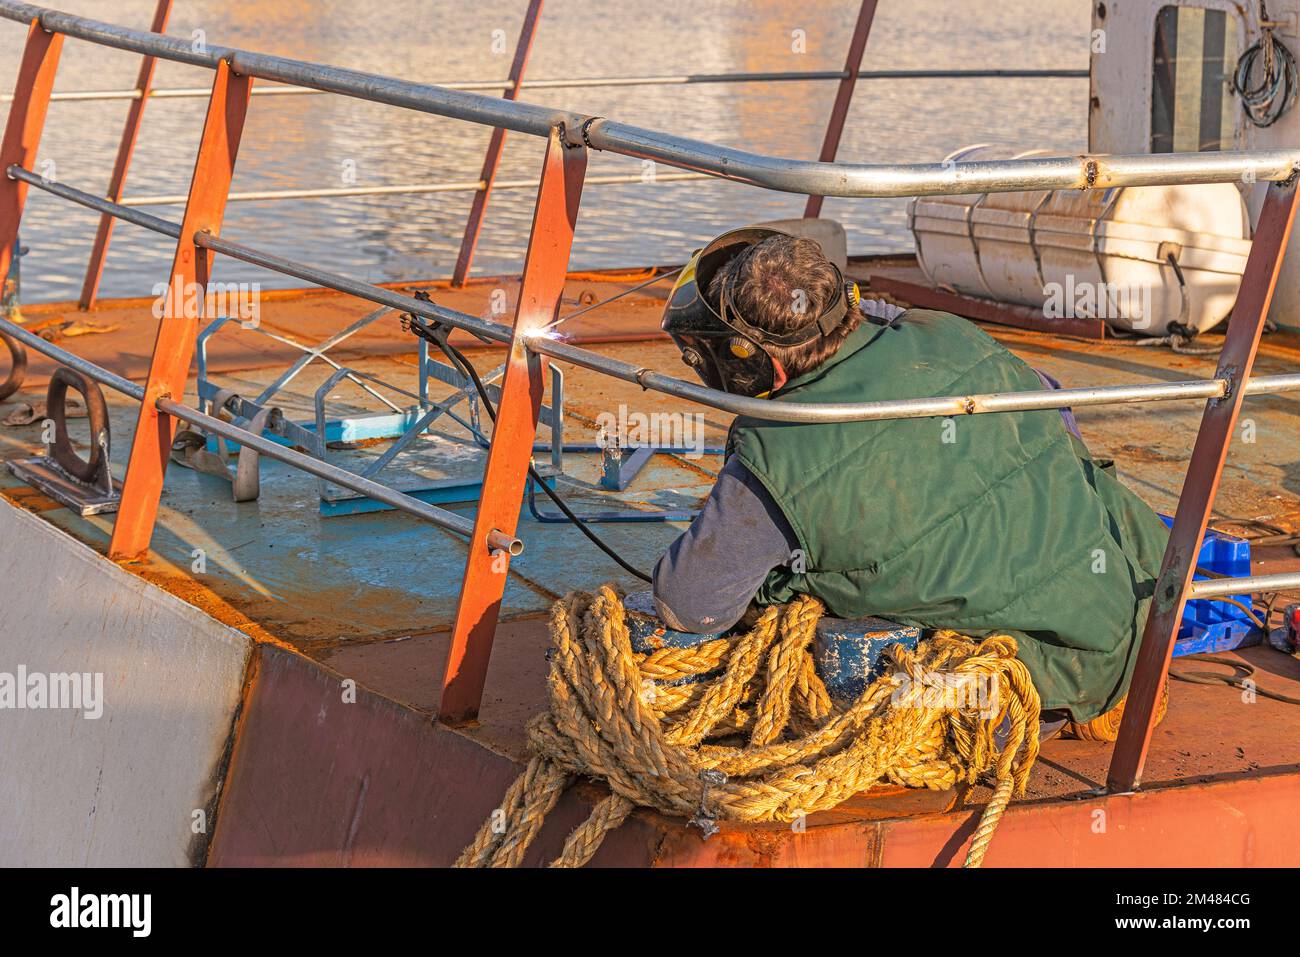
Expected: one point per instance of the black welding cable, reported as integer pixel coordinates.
(1266, 101)
(457, 358)
(1243, 676)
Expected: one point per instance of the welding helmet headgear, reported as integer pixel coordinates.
(715, 340)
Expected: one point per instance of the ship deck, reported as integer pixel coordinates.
(371, 596)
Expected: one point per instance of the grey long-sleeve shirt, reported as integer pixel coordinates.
(707, 578)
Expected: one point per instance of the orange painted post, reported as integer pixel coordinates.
(496, 143)
(1218, 424)
(23, 131)
(844, 96)
(545, 268)
(116, 183)
(183, 307)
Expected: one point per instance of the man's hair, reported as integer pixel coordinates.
(781, 285)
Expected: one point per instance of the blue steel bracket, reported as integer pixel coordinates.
(11, 291)
(381, 426)
(399, 423)
(310, 353)
(607, 516)
(619, 465)
(338, 501)
(214, 401)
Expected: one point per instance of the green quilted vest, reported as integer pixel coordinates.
(981, 523)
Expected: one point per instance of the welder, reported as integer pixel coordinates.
(987, 523)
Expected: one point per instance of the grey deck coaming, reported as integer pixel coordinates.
(123, 788)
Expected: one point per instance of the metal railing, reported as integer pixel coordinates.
(544, 344)
(383, 493)
(570, 137)
(596, 82)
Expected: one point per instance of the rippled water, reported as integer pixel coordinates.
(309, 141)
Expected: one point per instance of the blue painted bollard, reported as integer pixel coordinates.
(850, 652)
(649, 634)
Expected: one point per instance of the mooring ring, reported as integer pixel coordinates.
(18, 366)
(61, 449)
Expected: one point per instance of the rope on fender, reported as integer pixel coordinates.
(928, 722)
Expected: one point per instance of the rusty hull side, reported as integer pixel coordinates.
(1245, 822)
(327, 773)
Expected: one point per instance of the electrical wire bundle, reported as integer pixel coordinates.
(1267, 100)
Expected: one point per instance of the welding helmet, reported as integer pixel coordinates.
(716, 341)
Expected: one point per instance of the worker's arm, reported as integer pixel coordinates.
(707, 578)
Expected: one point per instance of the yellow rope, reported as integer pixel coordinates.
(762, 740)
(1105, 727)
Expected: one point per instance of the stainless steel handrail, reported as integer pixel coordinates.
(89, 200)
(596, 82)
(772, 172)
(412, 189)
(1222, 587)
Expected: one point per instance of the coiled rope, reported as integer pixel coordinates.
(666, 730)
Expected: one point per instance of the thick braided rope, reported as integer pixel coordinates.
(989, 823)
(526, 804)
(765, 721)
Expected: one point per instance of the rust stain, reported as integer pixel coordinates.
(30, 499)
(767, 845)
(208, 602)
(1145, 454)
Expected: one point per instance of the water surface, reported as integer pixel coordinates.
(314, 141)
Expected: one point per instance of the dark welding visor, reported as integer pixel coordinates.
(715, 340)
(712, 358)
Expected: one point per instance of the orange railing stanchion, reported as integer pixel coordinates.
(174, 348)
(478, 208)
(545, 267)
(23, 131)
(844, 96)
(117, 182)
(1199, 487)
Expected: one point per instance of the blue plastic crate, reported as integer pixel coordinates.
(1208, 624)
